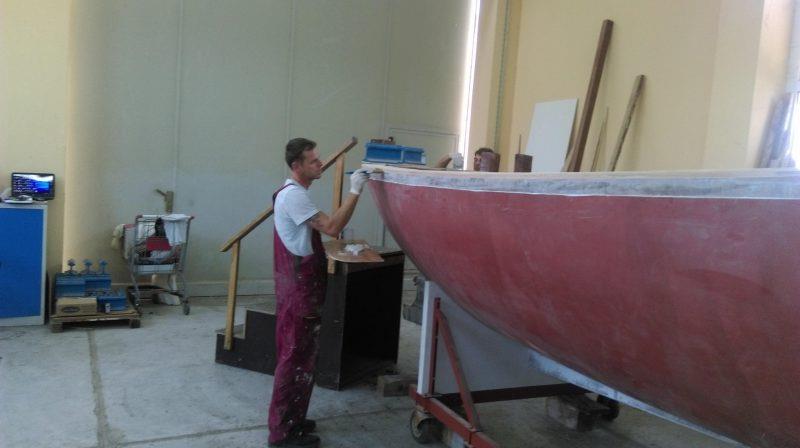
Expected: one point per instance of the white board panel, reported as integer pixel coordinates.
(551, 129)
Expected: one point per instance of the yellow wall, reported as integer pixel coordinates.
(771, 70)
(713, 68)
(33, 100)
(753, 40)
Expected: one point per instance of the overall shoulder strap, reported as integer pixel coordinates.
(275, 195)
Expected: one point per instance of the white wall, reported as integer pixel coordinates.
(200, 96)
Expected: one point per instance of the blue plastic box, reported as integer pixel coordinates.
(117, 299)
(70, 285)
(395, 154)
(97, 283)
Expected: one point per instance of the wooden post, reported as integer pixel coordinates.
(591, 96)
(601, 138)
(638, 84)
(338, 182)
(523, 163)
(232, 286)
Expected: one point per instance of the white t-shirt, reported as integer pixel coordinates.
(293, 207)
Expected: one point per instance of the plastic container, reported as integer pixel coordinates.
(394, 154)
(112, 301)
(458, 161)
(97, 283)
(70, 285)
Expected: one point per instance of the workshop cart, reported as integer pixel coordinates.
(158, 245)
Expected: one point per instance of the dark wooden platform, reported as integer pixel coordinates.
(360, 326)
(130, 315)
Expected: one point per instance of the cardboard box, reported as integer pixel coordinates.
(76, 306)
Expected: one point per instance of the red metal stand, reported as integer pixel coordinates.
(437, 409)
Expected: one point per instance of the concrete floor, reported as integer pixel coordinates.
(159, 387)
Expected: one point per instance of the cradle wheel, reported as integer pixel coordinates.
(186, 308)
(424, 428)
(613, 408)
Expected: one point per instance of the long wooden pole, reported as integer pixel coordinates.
(591, 96)
(638, 85)
(601, 138)
(233, 282)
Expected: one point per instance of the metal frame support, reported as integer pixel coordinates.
(440, 406)
(469, 430)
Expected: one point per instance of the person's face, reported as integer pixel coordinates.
(311, 166)
(476, 162)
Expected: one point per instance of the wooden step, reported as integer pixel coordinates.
(359, 332)
(238, 331)
(253, 343)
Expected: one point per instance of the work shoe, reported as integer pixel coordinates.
(307, 426)
(298, 440)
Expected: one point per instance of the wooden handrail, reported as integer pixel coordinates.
(236, 241)
(268, 212)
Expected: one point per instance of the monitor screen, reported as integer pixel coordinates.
(37, 185)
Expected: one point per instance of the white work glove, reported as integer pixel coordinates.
(357, 180)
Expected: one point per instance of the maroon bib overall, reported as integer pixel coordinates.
(300, 291)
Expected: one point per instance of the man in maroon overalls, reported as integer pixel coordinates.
(300, 277)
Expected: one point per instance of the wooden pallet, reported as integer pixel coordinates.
(133, 317)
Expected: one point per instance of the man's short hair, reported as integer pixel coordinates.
(483, 150)
(295, 149)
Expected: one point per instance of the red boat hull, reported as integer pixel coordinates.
(689, 304)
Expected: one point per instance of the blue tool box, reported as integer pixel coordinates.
(395, 154)
(96, 283)
(70, 285)
(83, 284)
(117, 300)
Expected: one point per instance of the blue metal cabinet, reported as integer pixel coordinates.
(22, 260)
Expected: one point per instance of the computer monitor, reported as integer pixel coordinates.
(39, 186)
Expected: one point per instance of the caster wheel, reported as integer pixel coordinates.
(613, 408)
(586, 421)
(424, 429)
(186, 308)
(134, 323)
(56, 328)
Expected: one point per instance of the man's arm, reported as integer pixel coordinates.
(333, 225)
(443, 161)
